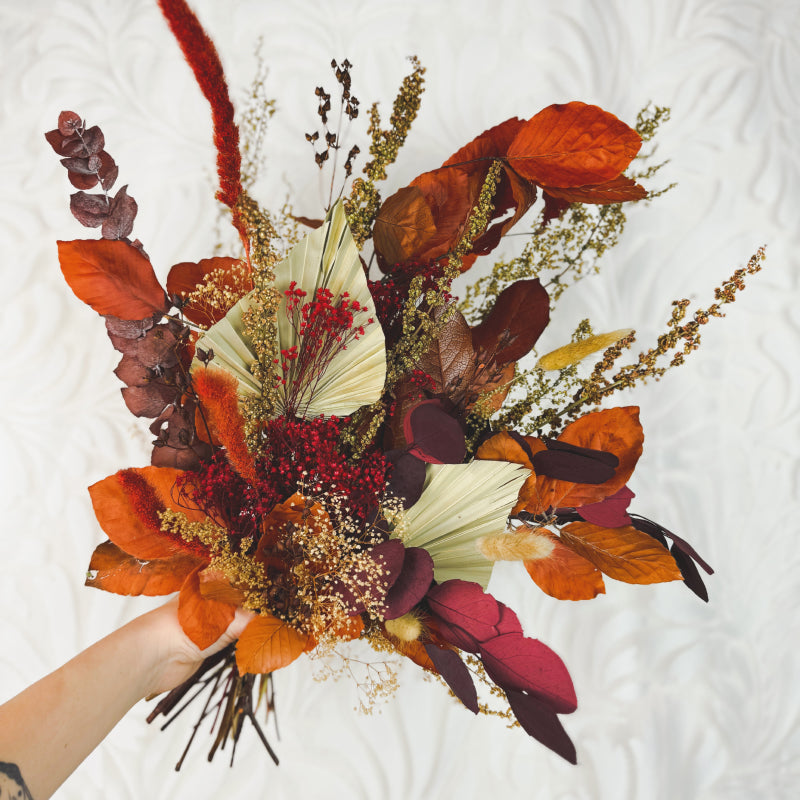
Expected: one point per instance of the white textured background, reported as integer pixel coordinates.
(677, 699)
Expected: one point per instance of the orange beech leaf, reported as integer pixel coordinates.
(505, 447)
(403, 225)
(615, 430)
(624, 554)
(203, 620)
(111, 276)
(184, 278)
(219, 410)
(127, 504)
(215, 585)
(267, 644)
(564, 574)
(618, 190)
(449, 194)
(573, 145)
(116, 571)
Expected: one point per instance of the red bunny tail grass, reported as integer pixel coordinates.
(203, 58)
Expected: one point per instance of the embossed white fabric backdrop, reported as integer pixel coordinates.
(677, 698)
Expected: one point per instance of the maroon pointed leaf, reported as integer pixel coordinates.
(80, 165)
(554, 207)
(568, 462)
(538, 721)
(411, 585)
(516, 321)
(528, 665)
(690, 573)
(456, 675)
(611, 512)
(433, 435)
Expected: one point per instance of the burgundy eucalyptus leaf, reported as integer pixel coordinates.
(127, 328)
(184, 458)
(132, 372)
(611, 512)
(82, 182)
(568, 462)
(522, 664)
(411, 585)
(93, 140)
(159, 348)
(68, 123)
(80, 165)
(434, 435)
(538, 721)
(407, 476)
(119, 223)
(89, 209)
(456, 674)
(148, 401)
(389, 556)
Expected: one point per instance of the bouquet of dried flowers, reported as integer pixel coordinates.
(347, 451)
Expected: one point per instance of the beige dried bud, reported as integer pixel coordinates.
(406, 628)
(575, 352)
(525, 544)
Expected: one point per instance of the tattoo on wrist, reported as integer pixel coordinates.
(12, 786)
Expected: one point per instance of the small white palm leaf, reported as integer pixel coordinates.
(459, 504)
(325, 259)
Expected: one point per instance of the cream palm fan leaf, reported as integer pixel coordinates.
(459, 504)
(325, 259)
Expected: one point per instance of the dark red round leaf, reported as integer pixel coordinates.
(411, 585)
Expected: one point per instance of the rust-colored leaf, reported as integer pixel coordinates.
(203, 620)
(112, 277)
(624, 554)
(564, 574)
(504, 446)
(516, 321)
(267, 644)
(113, 570)
(573, 145)
(613, 430)
(127, 504)
(215, 585)
(618, 190)
(403, 225)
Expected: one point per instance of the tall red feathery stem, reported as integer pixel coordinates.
(202, 56)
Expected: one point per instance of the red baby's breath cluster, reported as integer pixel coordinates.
(300, 455)
(324, 326)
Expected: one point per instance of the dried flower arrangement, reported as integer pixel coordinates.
(348, 456)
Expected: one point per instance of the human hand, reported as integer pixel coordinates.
(170, 656)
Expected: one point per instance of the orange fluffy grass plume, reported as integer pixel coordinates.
(203, 58)
(219, 407)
